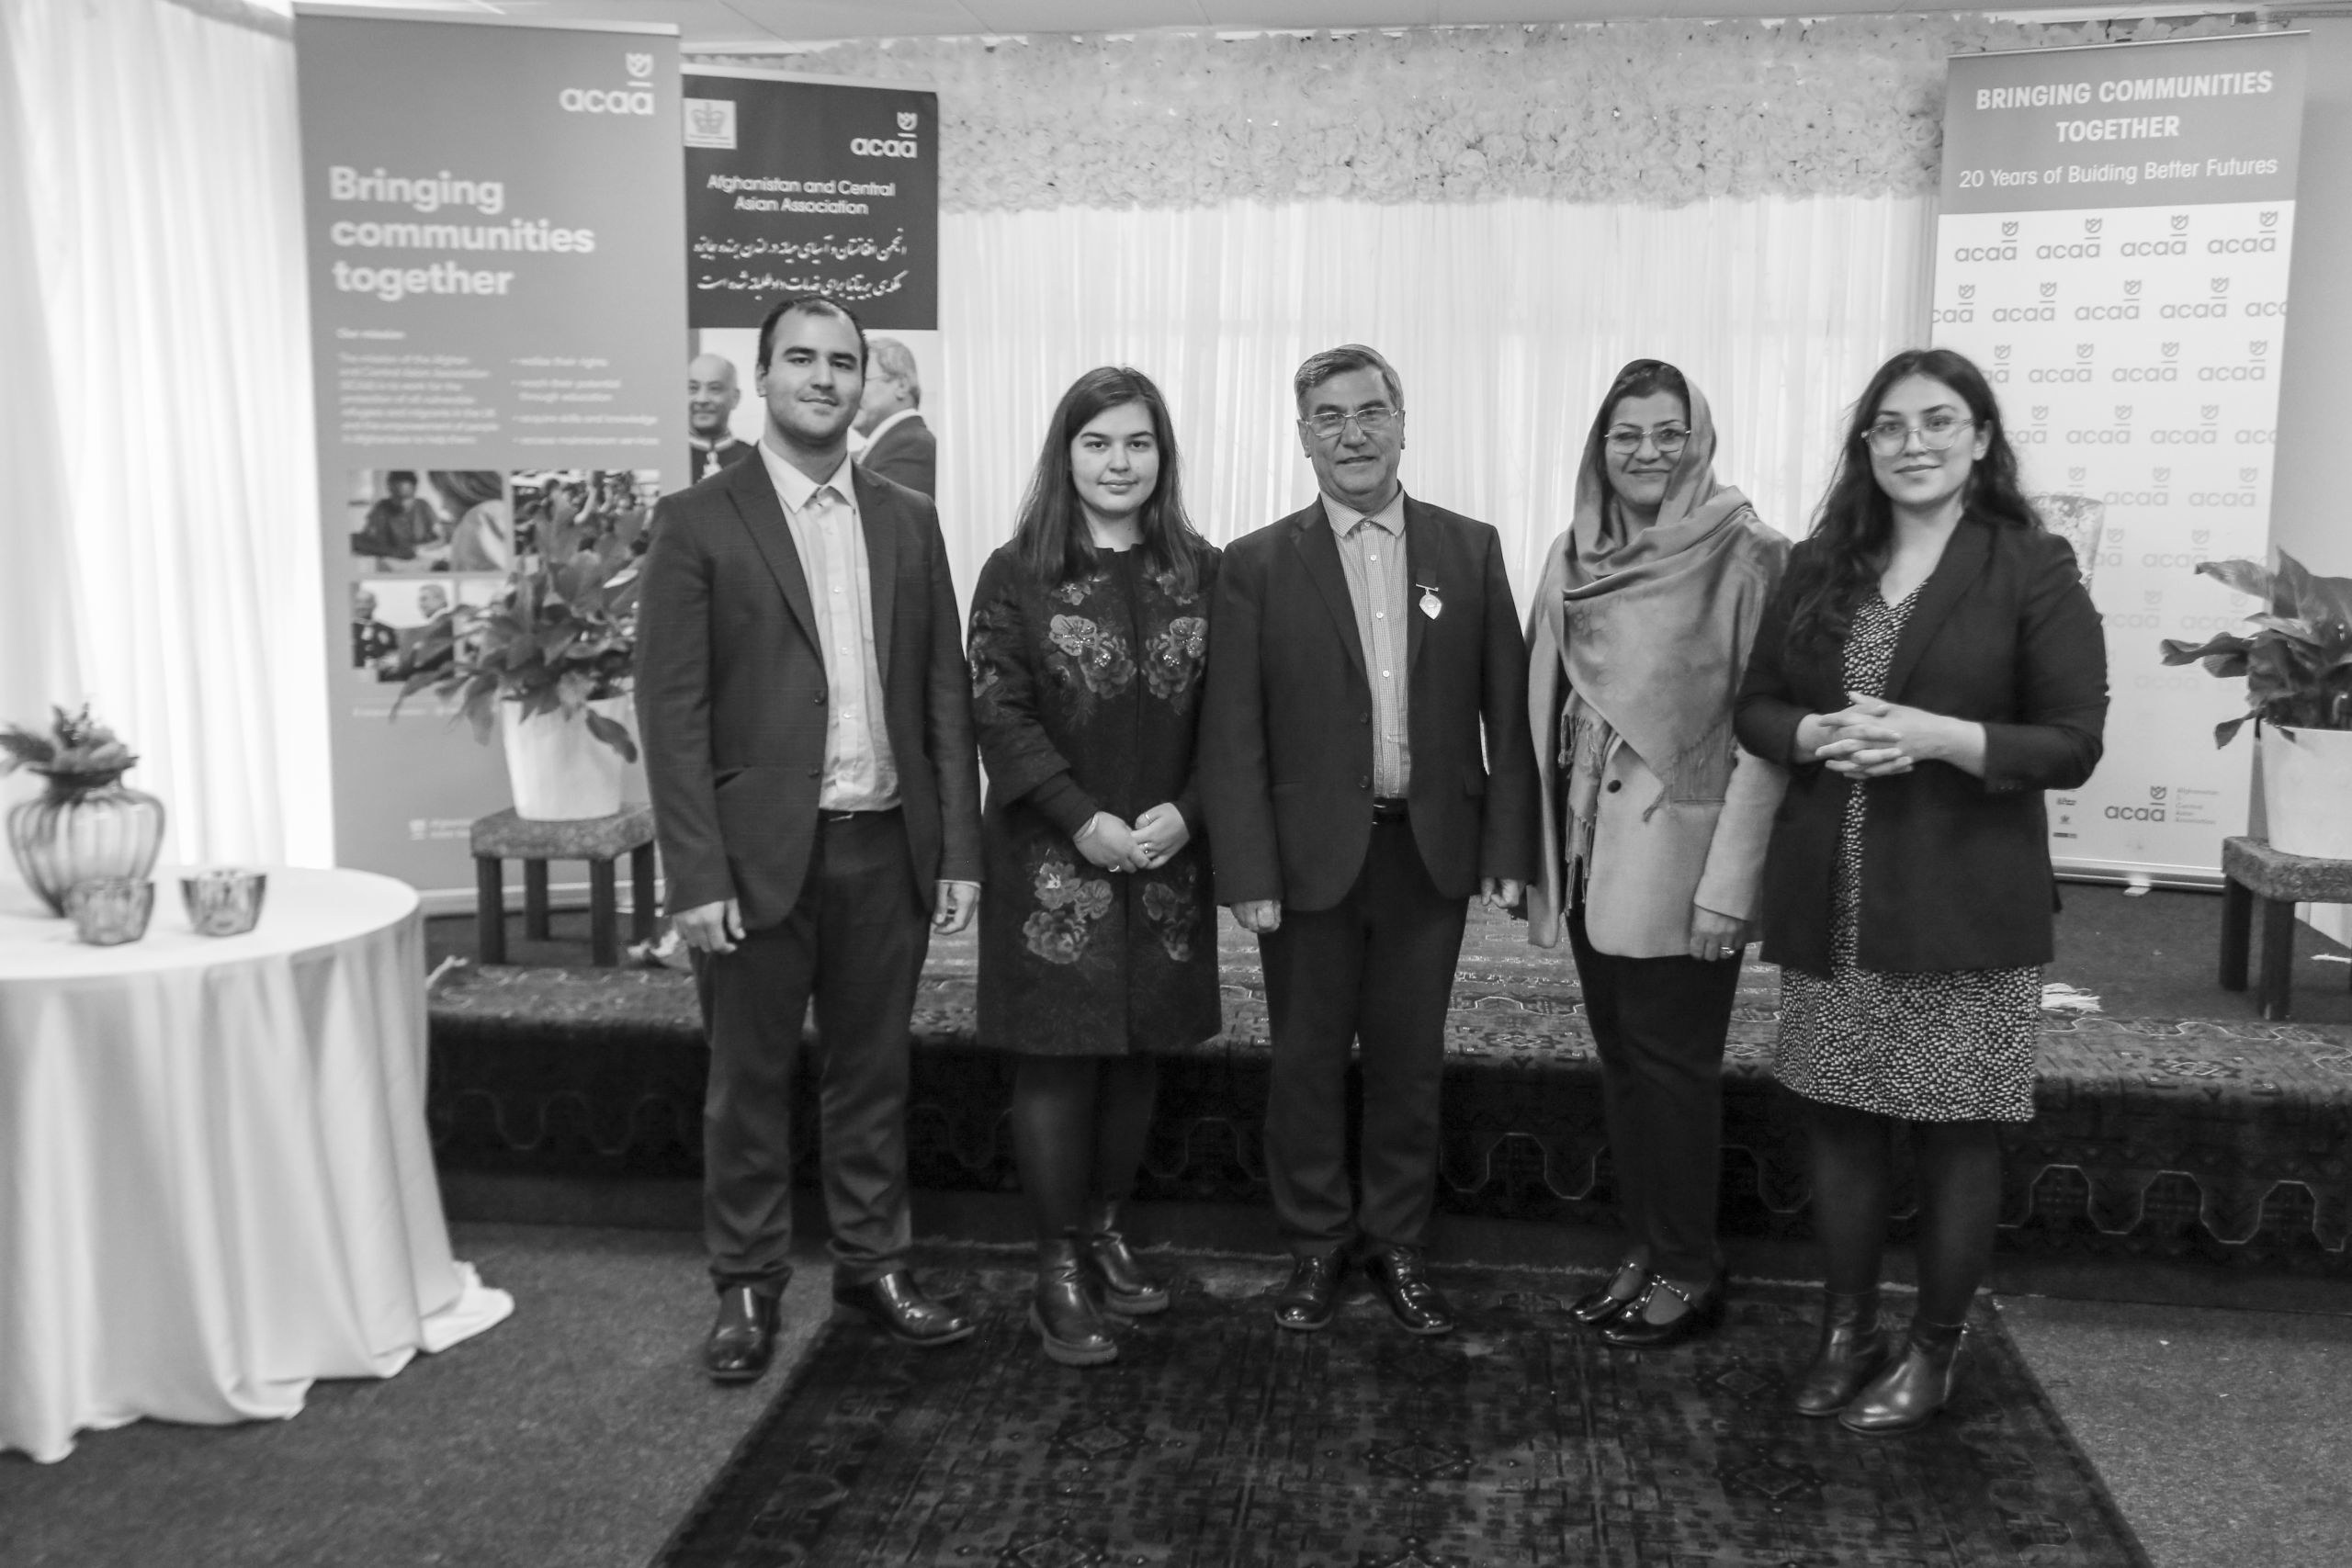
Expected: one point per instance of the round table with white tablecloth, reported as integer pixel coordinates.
(216, 1184)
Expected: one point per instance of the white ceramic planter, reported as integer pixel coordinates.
(560, 772)
(2307, 790)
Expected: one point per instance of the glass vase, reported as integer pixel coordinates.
(84, 826)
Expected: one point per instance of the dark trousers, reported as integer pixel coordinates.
(1659, 1024)
(855, 940)
(1377, 968)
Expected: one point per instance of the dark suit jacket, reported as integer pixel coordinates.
(1955, 869)
(1287, 741)
(730, 692)
(907, 453)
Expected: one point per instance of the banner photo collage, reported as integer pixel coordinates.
(509, 311)
(2113, 248)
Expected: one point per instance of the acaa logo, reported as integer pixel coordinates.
(639, 65)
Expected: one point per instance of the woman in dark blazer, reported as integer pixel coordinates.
(1931, 664)
(1098, 938)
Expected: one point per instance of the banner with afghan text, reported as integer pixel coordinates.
(806, 185)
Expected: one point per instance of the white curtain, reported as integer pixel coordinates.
(1505, 320)
(151, 199)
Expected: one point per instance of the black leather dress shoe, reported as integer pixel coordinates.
(1401, 1275)
(894, 1304)
(1631, 1329)
(1624, 1289)
(1306, 1303)
(742, 1340)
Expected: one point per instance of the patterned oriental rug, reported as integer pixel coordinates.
(2224, 1140)
(1216, 1438)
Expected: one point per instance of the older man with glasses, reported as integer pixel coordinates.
(1366, 666)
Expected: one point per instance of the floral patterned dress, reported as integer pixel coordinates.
(1086, 697)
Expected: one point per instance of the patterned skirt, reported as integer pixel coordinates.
(1956, 1045)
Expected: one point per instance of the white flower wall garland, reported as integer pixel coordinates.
(1659, 113)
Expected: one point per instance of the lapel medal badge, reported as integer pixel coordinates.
(1430, 603)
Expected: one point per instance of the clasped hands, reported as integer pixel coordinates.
(1147, 842)
(1871, 738)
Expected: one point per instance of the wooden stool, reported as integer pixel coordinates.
(2253, 870)
(599, 840)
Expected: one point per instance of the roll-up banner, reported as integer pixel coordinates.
(798, 184)
(497, 298)
(2112, 250)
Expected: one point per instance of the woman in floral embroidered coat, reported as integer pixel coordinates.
(1098, 935)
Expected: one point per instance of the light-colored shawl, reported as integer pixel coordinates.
(1653, 625)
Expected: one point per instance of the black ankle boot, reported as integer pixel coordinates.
(1126, 1289)
(1914, 1386)
(1854, 1347)
(1061, 1312)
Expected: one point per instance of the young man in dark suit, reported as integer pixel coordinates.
(806, 710)
(899, 444)
(1366, 671)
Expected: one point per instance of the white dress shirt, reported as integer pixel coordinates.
(860, 772)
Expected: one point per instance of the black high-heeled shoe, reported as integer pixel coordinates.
(1633, 1330)
(1624, 1288)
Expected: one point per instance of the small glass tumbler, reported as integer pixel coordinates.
(107, 911)
(223, 903)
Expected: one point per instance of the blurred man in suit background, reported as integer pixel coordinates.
(711, 397)
(899, 444)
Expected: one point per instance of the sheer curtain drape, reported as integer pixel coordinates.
(1505, 318)
(152, 311)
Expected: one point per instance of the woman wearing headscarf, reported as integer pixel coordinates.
(1655, 819)
(1931, 664)
(1098, 938)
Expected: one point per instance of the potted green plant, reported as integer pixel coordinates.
(550, 662)
(2296, 661)
(87, 823)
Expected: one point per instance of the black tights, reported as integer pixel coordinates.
(1960, 1202)
(1078, 1125)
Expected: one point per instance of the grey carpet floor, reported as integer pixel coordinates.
(578, 1432)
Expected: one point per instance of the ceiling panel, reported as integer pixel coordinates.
(798, 20)
(1321, 13)
(1085, 15)
(717, 25)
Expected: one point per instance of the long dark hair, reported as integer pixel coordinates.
(1639, 379)
(1855, 522)
(1056, 545)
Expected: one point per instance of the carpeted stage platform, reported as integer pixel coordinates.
(2174, 1124)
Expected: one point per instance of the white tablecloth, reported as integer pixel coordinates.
(215, 1181)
